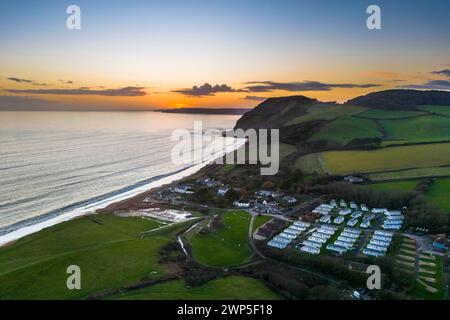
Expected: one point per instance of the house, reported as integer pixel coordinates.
(364, 207)
(242, 203)
(325, 219)
(267, 193)
(342, 203)
(440, 244)
(353, 179)
(222, 191)
(339, 220)
(184, 189)
(289, 200)
(208, 182)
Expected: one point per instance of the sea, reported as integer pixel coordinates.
(55, 166)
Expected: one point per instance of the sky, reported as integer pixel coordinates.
(137, 55)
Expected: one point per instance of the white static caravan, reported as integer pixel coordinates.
(311, 250)
(317, 239)
(377, 248)
(384, 233)
(372, 253)
(337, 249)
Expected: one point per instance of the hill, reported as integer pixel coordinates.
(400, 123)
(402, 99)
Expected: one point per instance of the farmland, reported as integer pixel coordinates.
(390, 114)
(386, 159)
(326, 112)
(408, 185)
(233, 287)
(225, 246)
(343, 130)
(420, 129)
(442, 110)
(438, 194)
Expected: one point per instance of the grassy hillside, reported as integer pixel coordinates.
(419, 129)
(229, 288)
(408, 185)
(109, 250)
(442, 110)
(345, 129)
(325, 111)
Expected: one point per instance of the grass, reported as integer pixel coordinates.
(259, 221)
(390, 114)
(226, 246)
(345, 129)
(422, 129)
(107, 248)
(408, 185)
(286, 150)
(386, 159)
(228, 288)
(438, 194)
(411, 173)
(442, 110)
(326, 112)
(310, 163)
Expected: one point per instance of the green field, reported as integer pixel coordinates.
(310, 163)
(386, 159)
(411, 173)
(390, 114)
(226, 246)
(326, 112)
(108, 249)
(286, 149)
(408, 185)
(345, 129)
(421, 129)
(443, 110)
(259, 221)
(228, 288)
(439, 194)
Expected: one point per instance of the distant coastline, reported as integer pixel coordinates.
(227, 111)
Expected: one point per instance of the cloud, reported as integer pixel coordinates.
(84, 91)
(206, 90)
(445, 72)
(430, 85)
(24, 103)
(269, 86)
(66, 81)
(20, 80)
(255, 98)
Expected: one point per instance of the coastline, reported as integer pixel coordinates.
(114, 201)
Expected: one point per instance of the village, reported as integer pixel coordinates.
(334, 227)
